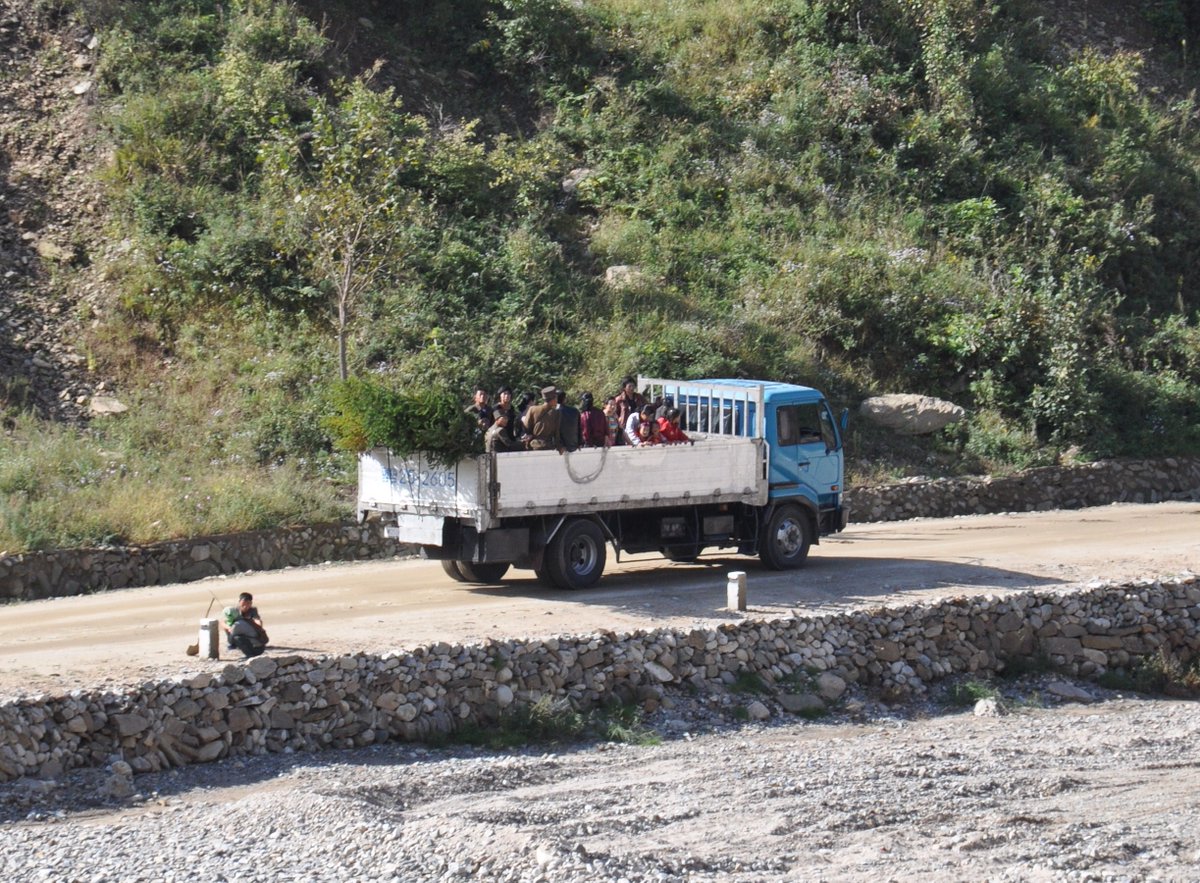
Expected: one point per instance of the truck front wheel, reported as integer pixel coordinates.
(785, 539)
(576, 556)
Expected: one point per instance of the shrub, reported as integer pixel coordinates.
(421, 420)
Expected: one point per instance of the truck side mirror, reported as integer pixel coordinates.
(844, 419)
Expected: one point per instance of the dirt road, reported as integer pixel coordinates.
(132, 635)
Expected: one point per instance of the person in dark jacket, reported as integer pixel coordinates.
(244, 627)
(629, 401)
(593, 425)
(568, 423)
(479, 410)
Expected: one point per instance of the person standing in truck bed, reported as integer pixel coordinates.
(568, 423)
(479, 410)
(542, 423)
(593, 425)
(629, 401)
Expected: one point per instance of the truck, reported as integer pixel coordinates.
(763, 473)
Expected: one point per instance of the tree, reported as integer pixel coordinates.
(344, 183)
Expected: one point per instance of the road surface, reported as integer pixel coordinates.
(132, 635)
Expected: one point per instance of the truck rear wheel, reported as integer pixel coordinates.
(451, 567)
(483, 573)
(576, 556)
(786, 538)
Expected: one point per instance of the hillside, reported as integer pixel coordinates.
(997, 205)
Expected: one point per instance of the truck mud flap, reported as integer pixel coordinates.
(465, 543)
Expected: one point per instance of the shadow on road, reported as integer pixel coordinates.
(825, 582)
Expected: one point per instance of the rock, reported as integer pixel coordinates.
(1070, 692)
(104, 405)
(129, 724)
(910, 414)
(210, 752)
(757, 711)
(799, 703)
(659, 673)
(82, 88)
(623, 276)
(574, 178)
(504, 695)
(989, 707)
(830, 686)
(119, 787)
(52, 251)
(262, 666)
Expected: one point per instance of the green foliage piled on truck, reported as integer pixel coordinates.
(370, 414)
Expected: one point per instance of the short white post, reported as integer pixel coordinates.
(737, 591)
(210, 639)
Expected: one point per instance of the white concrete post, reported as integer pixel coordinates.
(210, 639)
(737, 591)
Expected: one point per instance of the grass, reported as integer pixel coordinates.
(1160, 674)
(1020, 666)
(749, 683)
(63, 487)
(967, 693)
(554, 721)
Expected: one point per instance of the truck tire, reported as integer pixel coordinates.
(451, 567)
(576, 556)
(786, 538)
(483, 573)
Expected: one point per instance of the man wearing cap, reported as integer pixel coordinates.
(542, 423)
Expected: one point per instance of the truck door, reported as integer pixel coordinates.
(806, 453)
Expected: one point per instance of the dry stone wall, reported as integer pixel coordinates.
(76, 571)
(284, 704)
(1051, 487)
(80, 571)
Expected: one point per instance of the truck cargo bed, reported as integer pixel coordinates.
(489, 487)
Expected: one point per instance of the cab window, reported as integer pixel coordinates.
(800, 424)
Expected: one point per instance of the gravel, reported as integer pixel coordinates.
(1025, 786)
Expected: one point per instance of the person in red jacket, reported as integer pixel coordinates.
(668, 427)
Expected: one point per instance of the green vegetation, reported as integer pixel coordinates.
(554, 721)
(965, 693)
(1159, 674)
(748, 683)
(867, 197)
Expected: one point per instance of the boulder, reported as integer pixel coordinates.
(910, 414)
(623, 276)
(107, 405)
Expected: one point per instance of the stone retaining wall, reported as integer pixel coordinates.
(80, 571)
(278, 704)
(1051, 487)
(37, 575)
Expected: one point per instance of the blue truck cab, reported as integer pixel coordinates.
(804, 442)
